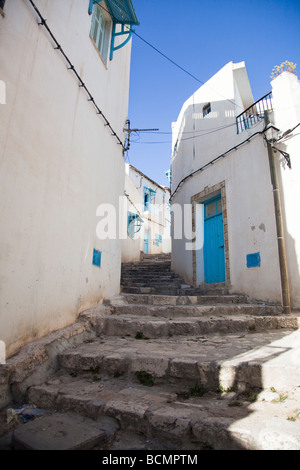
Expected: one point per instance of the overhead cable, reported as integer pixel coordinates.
(171, 60)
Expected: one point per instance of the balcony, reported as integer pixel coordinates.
(254, 113)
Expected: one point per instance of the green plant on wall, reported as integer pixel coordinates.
(286, 66)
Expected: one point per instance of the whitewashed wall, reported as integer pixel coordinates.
(245, 174)
(157, 221)
(58, 164)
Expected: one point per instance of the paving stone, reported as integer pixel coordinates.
(60, 432)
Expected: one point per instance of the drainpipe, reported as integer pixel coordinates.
(279, 227)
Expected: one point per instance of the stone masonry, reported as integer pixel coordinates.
(162, 366)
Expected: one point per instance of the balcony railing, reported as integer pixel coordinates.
(254, 113)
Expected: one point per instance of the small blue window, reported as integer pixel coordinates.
(149, 198)
(97, 258)
(253, 260)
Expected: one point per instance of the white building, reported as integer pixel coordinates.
(147, 216)
(62, 138)
(222, 192)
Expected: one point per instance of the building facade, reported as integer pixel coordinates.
(226, 228)
(147, 216)
(65, 66)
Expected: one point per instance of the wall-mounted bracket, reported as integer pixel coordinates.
(125, 31)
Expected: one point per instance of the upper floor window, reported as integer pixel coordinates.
(206, 109)
(149, 198)
(100, 30)
(2, 3)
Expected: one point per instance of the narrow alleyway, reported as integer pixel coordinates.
(164, 366)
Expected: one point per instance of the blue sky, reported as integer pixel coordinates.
(201, 37)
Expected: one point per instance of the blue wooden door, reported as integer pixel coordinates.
(214, 252)
(146, 242)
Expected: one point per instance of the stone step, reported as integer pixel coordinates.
(120, 307)
(183, 289)
(156, 285)
(243, 360)
(64, 431)
(147, 265)
(176, 419)
(147, 328)
(148, 275)
(183, 299)
(225, 390)
(142, 280)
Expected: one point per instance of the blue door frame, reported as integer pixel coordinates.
(214, 251)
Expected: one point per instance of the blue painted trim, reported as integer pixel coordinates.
(97, 258)
(91, 5)
(209, 201)
(253, 260)
(114, 48)
(123, 32)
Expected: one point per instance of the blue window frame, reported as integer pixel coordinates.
(149, 198)
(212, 207)
(100, 30)
(122, 14)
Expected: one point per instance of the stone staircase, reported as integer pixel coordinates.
(164, 366)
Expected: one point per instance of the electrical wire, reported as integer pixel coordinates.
(217, 129)
(43, 22)
(169, 59)
(212, 162)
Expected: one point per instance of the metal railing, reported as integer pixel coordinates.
(254, 113)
